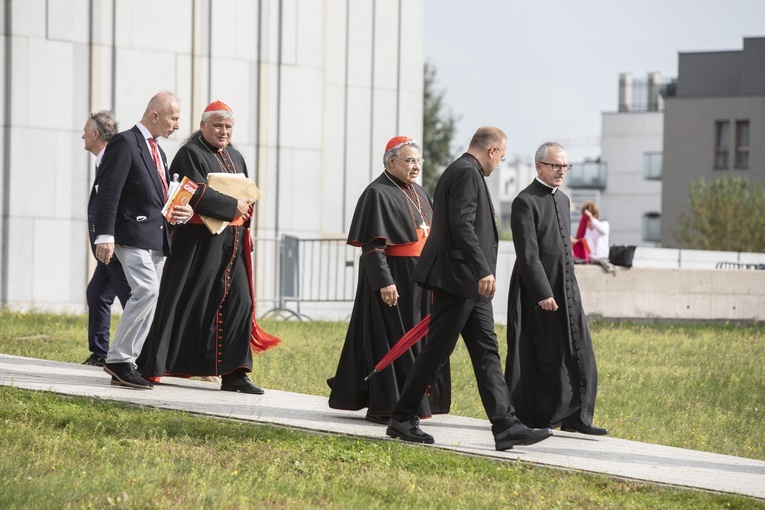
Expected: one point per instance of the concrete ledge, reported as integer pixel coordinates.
(673, 294)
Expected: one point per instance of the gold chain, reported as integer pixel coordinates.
(418, 205)
(224, 151)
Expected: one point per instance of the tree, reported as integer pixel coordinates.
(725, 214)
(438, 126)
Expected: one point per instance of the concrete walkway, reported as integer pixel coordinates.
(610, 456)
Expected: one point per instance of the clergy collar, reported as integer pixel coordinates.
(395, 179)
(475, 161)
(543, 183)
(211, 147)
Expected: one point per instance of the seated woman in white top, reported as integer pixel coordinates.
(596, 233)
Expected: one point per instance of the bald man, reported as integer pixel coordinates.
(133, 181)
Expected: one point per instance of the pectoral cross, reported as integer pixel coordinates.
(424, 226)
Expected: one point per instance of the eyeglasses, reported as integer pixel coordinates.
(502, 159)
(556, 167)
(411, 161)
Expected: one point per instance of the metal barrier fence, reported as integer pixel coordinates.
(738, 265)
(291, 271)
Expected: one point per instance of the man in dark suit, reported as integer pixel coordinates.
(458, 264)
(108, 280)
(130, 225)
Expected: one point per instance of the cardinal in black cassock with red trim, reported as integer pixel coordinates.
(205, 323)
(390, 224)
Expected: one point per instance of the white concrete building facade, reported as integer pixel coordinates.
(631, 147)
(317, 86)
(626, 180)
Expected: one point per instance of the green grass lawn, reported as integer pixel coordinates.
(674, 385)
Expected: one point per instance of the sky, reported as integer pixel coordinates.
(545, 70)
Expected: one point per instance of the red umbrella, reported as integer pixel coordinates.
(410, 338)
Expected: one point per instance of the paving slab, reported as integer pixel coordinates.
(606, 455)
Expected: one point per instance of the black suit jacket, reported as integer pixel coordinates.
(462, 245)
(92, 200)
(130, 194)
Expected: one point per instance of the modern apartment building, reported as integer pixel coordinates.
(714, 124)
(626, 180)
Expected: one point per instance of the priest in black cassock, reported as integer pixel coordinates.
(205, 323)
(550, 369)
(390, 224)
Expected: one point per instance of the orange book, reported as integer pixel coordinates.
(180, 196)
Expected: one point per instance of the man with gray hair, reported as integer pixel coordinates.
(550, 367)
(108, 280)
(390, 225)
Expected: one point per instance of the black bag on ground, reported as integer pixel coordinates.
(621, 255)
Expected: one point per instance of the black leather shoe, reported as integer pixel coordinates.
(94, 361)
(590, 430)
(243, 385)
(116, 382)
(127, 375)
(520, 434)
(380, 420)
(408, 430)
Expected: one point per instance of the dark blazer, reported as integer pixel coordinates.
(130, 194)
(92, 214)
(462, 245)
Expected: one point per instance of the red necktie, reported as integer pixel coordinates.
(158, 164)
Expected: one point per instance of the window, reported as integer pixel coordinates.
(742, 144)
(722, 143)
(652, 166)
(587, 175)
(652, 227)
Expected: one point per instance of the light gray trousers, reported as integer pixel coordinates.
(143, 270)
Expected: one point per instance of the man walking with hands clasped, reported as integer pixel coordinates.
(551, 368)
(458, 264)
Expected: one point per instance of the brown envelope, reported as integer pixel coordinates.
(238, 186)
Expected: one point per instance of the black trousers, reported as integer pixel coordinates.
(451, 316)
(108, 282)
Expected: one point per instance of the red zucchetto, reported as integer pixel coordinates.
(217, 106)
(396, 141)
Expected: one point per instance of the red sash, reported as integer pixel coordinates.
(259, 339)
(409, 249)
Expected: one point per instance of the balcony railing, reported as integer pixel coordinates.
(643, 95)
